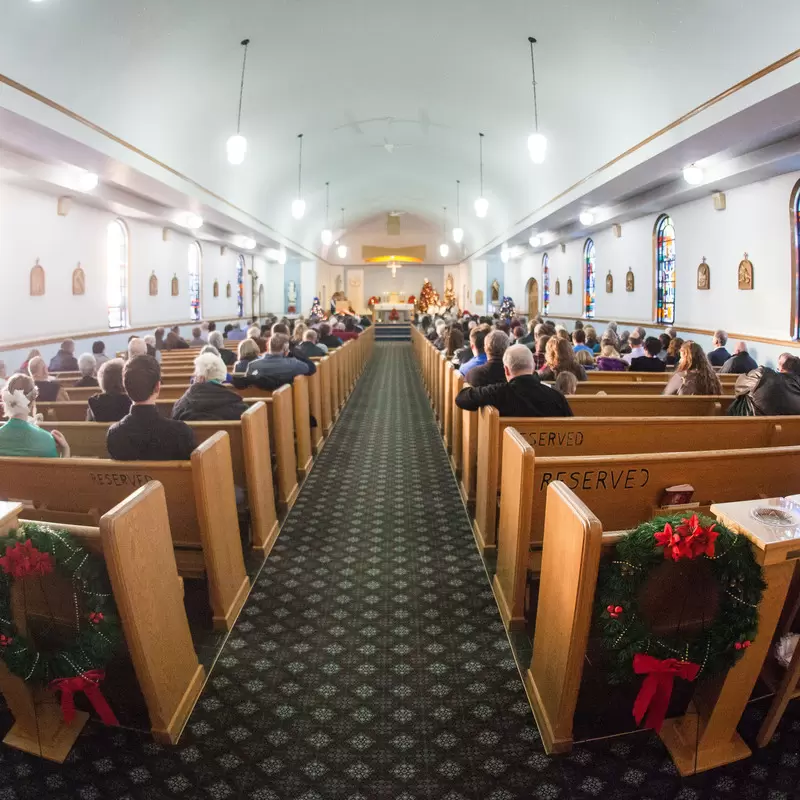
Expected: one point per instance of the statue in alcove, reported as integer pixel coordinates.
(495, 291)
(629, 281)
(37, 280)
(153, 285)
(78, 281)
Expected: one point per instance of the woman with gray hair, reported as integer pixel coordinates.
(87, 364)
(228, 357)
(207, 398)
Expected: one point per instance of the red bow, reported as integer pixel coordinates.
(653, 697)
(89, 684)
(24, 559)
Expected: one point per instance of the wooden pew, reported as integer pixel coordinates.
(134, 539)
(634, 388)
(643, 377)
(200, 503)
(622, 490)
(588, 436)
(250, 457)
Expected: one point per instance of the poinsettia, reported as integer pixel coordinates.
(24, 559)
(687, 540)
(672, 543)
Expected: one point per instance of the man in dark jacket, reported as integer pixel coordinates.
(719, 355)
(308, 347)
(523, 395)
(207, 398)
(773, 393)
(144, 435)
(493, 371)
(64, 360)
(741, 363)
(326, 338)
(649, 362)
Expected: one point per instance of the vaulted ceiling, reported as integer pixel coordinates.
(390, 97)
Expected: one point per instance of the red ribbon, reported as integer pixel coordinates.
(653, 697)
(89, 684)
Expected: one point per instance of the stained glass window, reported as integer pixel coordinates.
(589, 294)
(665, 270)
(117, 274)
(240, 285)
(545, 284)
(195, 269)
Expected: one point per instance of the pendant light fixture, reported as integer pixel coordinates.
(458, 231)
(298, 204)
(327, 233)
(505, 253)
(481, 204)
(693, 175)
(237, 144)
(341, 250)
(537, 143)
(444, 248)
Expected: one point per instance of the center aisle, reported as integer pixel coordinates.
(370, 660)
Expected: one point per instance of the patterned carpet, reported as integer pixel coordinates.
(370, 661)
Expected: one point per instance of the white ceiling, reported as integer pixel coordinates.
(353, 75)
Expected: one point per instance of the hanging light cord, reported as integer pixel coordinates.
(245, 42)
(458, 204)
(300, 168)
(481, 151)
(444, 222)
(533, 74)
(342, 219)
(327, 202)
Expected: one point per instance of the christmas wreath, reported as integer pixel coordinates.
(37, 550)
(625, 633)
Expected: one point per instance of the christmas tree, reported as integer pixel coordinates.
(507, 309)
(316, 309)
(427, 297)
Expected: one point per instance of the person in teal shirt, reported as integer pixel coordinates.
(20, 436)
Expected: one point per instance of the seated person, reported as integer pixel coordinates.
(20, 437)
(665, 342)
(477, 340)
(566, 383)
(99, 353)
(113, 404)
(228, 356)
(145, 435)
(559, 357)
(174, 341)
(254, 333)
(694, 374)
(309, 347)
(278, 363)
(523, 395)
(585, 359)
(294, 351)
(326, 338)
(579, 342)
(770, 392)
(298, 331)
(88, 367)
(650, 362)
(248, 351)
(740, 363)
(493, 371)
(49, 389)
(719, 355)
(197, 338)
(207, 398)
(64, 359)
(234, 334)
(137, 347)
(609, 359)
(26, 363)
(3, 374)
(636, 350)
(674, 351)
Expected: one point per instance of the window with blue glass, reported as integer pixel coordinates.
(240, 285)
(589, 292)
(545, 284)
(195, 271)
(665, 270)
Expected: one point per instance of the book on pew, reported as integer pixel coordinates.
(679, 495)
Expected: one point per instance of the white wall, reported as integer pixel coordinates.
(378, 280)
(479, 283)
(308, 286)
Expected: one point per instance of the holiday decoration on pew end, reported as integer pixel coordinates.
(38, 550)
(688, 542)
(507, 309)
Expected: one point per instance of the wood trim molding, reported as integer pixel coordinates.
(794, 199)
(748, 337)
(4, 346)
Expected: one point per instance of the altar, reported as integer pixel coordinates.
(382, 311)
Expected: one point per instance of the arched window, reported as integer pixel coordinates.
(117, 274)
(545, 284)
(589, 294)
(665, 270)
(195, 271)
(795, 213)
(240, 285)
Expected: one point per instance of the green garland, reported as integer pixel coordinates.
(622, 628)
(98, 634)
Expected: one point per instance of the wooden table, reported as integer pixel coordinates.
(706, 737)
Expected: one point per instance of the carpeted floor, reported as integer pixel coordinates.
(370, 661)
